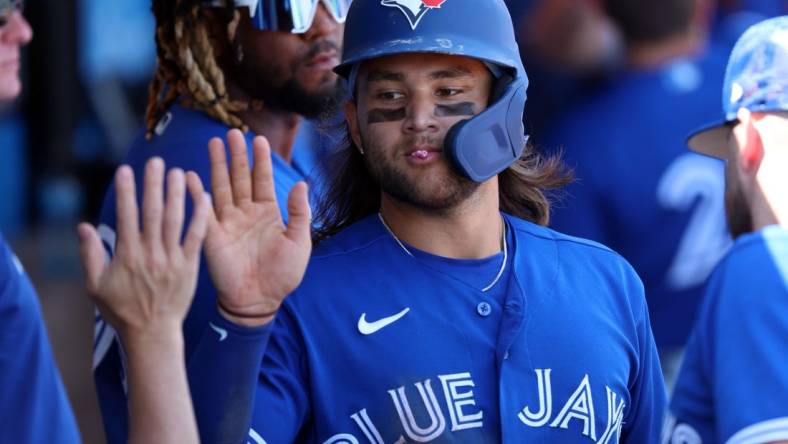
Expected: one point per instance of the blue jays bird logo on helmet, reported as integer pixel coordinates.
(414, 10)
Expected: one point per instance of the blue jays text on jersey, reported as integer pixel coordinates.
(641, 193)
(33, 403)
(181, 140)
(379, 347)
(733, 385)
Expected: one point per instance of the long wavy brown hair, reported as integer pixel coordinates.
(526, 189)
(187, 66)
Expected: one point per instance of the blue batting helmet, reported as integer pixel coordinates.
(485, 145)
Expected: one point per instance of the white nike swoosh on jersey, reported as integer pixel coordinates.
(222, 332)
(367, 328)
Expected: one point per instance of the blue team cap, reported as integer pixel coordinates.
(756, 79)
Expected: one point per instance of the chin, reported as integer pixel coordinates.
(323, 83)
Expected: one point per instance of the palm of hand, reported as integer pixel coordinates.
(254, 260)
(258, 264)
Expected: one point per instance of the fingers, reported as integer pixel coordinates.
(173, 214)
(92, 254)
(299, 214)
(152, 205)
(126, 207)
(240, 176)
(198, 226)
(220, 178)
(263, 176)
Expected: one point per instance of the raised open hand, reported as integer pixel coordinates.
(254, 260)
(149, 285)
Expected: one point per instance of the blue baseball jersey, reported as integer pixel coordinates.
(181, 139)
(33, 402)
(377, 346)
(640, 192)
(733, 385)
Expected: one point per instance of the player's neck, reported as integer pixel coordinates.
(279, 127)
(472, 230)
(769, 205)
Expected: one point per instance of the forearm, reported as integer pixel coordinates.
(223, 375)
(160, 407)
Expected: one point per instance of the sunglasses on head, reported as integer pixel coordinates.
(294, 16)
(7, 8)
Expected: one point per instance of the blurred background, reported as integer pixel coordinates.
(86, 74)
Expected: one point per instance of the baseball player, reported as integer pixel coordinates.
(436, 307)
(32, 398)
(638, 190)
(733, 384)
(145, 292)
(256, 65)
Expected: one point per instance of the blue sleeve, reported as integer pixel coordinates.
(223, 375)
(33, 403)
(282, 400)
(750, 348)
(643, 423)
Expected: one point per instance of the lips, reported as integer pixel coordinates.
(423, 154)
(325, 60)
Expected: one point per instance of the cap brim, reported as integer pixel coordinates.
(711, 140)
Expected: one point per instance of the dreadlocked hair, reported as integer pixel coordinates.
(186, 65)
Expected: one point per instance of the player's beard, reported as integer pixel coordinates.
(293, 97)
(279, 88)
(737, 208)
(439, 196)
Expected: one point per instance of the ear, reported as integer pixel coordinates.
(351, 116)
(751, 151)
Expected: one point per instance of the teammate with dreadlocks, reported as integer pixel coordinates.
(259, 66)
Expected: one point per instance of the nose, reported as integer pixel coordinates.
(17, 31)
(323, 25)
(420, 116)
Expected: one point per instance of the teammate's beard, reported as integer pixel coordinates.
(451, 189)
(279, 88)
(737, 208)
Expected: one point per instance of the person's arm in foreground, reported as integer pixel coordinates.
(255, 261)
(145, 293)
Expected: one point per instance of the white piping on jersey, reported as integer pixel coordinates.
(503, 242)
(766, 431)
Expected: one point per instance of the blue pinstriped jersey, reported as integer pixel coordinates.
(733, 385)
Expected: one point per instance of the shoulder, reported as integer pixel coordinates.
(351, 242)
(10, 267)
(180, 138)
(589, 273)
(753, 272)
(566, 247)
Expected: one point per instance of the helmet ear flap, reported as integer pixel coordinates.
(488, 143)
(450, 144)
